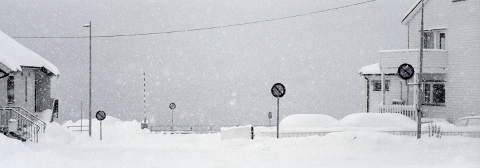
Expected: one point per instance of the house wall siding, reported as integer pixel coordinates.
(462, 23)
(24, 90)
(31, 90)
(42, 91)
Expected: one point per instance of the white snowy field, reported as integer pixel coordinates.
(124, 144)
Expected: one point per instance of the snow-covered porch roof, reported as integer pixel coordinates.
(14, 55)
(373, 69)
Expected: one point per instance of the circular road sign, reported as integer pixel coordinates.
(172, 106)
(269, 115)
(406, 71)
(278, 90)
(101, 115)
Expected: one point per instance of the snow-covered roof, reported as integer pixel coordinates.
(370, 69)
(14, 55)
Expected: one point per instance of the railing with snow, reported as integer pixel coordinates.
(32, 117)
(409, 111)
(27, 128)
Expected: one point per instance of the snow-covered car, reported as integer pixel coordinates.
(471, 121)
(307, 120)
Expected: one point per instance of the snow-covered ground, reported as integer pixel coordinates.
(124, 144)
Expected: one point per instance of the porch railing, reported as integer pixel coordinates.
(32, 117)
(27, 128)
(409, 111)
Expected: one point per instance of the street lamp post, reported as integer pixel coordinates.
(89, 25)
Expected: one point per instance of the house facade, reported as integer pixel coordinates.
(25, 85)
(25, 77)
(451, 64)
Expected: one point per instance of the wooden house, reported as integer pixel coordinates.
(25, 85)
(451, 64)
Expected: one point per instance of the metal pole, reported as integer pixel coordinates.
(90, 85)
(278, 115)
(81, 116)
(420, 90)
(100, 130)
(172, 120)
(144, 100)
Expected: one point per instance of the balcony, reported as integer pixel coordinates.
(434, 60)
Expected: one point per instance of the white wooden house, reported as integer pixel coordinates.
(25, 84)
(451, 64)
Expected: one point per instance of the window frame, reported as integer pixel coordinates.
(433, 39)
(379, 82)
(428, 87)
(10, 90)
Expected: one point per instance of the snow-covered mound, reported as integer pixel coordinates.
(307, 120)
(376, 120)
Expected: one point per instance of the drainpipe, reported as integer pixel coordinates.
(367, 90)
(383, 89)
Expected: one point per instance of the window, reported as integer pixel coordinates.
(10, 89)
(462, 122)
(434, 39)
(428, 40)
(474, 121)
(434, 93)
(442, 41)
(377, 85)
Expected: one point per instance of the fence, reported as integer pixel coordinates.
(186, 128)
(191, 129)
(28, 129)
(409, 111)
(473, 134)
(81, 128)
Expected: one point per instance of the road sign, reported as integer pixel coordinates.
(172, 106)
(278, 90)
(269, 115)
(101, 115)
(405, 71)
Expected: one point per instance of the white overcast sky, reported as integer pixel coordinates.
(218, 76)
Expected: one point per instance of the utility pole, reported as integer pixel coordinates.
(420, 81)
(89, 25)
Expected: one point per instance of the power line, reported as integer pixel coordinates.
(204, 28)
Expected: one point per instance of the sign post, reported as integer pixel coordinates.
(278, 90)
(100, 116)
(406, 71)
(172, 106)
(269, 119)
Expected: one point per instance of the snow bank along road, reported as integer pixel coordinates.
(124, 144)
